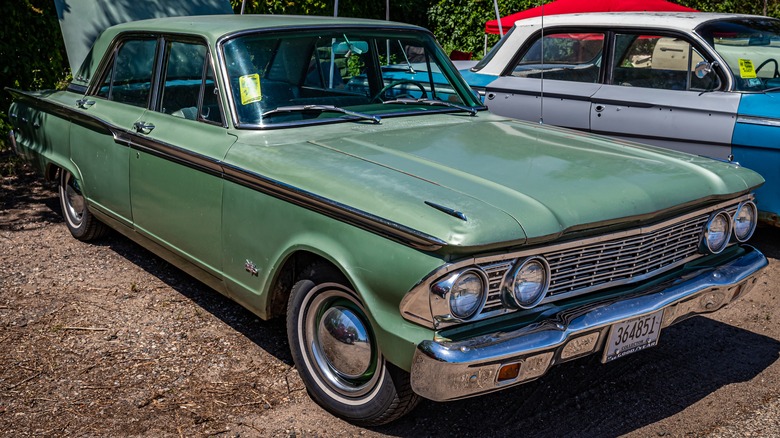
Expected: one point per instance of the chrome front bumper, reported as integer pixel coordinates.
(445, 370)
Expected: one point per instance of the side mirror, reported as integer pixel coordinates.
(702, 69)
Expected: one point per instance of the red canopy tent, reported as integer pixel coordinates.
(579, 6)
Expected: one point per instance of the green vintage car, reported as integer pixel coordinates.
(417, 245)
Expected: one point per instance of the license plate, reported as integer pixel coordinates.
(633, 335)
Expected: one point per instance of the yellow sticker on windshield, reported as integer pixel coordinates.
(746, 69)
(249, 86)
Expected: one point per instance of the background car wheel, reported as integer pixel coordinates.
(336, 354)
(80, 222)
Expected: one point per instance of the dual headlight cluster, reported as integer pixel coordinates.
(465, 291)
(462, 294)
(722, 226)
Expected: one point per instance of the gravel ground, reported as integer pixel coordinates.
(108, 340)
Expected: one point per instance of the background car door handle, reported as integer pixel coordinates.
(143, 127)
(600, 108)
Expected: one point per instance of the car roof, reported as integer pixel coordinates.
(684, 22)
(215, 26)
(670, 20)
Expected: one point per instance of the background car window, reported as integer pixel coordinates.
(750, 46)
(130, 76)
(572, 57)
(654, 61)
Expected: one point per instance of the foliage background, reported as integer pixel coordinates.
(34, 56)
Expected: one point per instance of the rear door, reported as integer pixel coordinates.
(552, 80)
(654, 95)
(99, 144)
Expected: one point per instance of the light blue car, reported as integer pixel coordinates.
(707, 84)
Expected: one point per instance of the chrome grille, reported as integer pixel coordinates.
(608, 263)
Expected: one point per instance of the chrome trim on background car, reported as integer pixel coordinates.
(448, 370)
(762, 121)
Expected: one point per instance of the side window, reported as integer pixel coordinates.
(574, 57)
(189, 90)
(654, 61)
(130, 77)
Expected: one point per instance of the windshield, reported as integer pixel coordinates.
(329, 76)
(750, 47)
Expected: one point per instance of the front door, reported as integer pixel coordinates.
(175, 165)
(654, 95)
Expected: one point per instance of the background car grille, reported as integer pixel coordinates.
(608, 263)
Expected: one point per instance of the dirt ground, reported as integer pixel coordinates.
(108, 340)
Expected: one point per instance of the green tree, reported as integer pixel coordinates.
(31, 48)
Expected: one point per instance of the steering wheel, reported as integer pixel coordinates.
(378, 96)
(772, 60)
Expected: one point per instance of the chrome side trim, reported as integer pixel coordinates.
(333, 209)
(450, 370)
(762, 121)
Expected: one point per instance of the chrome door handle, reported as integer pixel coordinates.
(143, 127)
(84, 103)
(600, 108)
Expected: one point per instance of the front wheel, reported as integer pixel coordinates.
(80, 222)
(335, 352)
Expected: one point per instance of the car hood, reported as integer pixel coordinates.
(511, 180)
(82, 21)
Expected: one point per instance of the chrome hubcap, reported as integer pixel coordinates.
(73, 199)
(338, 343)
(344, 342)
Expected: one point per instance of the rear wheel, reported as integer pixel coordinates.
(81, 223)
(336, 354)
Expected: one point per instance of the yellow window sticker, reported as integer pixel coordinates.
(249, 86)
(746, 69)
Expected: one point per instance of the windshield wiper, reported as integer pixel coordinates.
(322, 108)
(433, 102)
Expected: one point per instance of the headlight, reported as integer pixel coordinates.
(528, 285)
(745, 219)
(717, 233)
(465, 293)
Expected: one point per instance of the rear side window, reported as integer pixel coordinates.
(129, 78)
(574, 57)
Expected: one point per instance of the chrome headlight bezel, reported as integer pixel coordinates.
(444, 293)
(508, 289)
(707, 233)
(745, 206)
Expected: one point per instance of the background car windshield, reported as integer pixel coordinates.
(750, 47)
(271, 76)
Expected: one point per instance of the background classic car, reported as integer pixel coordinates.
(696, 82)
(416, 245)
